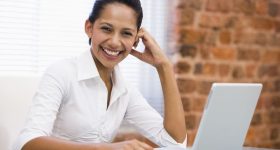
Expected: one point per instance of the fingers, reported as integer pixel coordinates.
(144, 35)
(147, 39)
(142, 56)
(138, 145)
(137, 54)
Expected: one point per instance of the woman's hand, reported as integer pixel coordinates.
(128, 145)
(152, 53)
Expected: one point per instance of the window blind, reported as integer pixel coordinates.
(36, 33)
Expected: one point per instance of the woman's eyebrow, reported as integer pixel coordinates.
(126, 28)
(108, 24)
(129, 29)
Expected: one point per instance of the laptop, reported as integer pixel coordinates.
(226, 117)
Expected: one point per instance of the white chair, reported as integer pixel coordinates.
(16, 94)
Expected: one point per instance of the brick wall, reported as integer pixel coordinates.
(228, 41)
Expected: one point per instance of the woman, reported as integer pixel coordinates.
(80, 103)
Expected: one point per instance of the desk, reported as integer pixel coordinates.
(252, 148)
(189, 148)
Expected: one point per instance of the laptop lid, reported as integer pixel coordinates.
(227, 116)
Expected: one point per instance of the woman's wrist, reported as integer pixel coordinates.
(165, 65)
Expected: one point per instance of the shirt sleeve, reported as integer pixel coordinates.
(148, 121)
(43, 110)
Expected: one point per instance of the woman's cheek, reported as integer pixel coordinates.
(129, 45)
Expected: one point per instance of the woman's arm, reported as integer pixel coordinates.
(50, 143)
(174, 120)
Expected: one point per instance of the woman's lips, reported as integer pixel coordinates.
(111, 54)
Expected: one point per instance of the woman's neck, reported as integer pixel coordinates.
(104, 72)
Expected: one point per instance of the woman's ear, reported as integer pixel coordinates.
(136, 43)
(88, 28)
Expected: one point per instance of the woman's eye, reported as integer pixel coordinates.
(127, 33)
(106, 29)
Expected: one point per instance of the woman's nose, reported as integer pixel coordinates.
(115, 41)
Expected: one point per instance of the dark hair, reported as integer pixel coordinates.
(100, 4)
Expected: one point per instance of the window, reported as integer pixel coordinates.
(35, 33)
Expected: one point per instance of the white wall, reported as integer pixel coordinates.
(16, 92)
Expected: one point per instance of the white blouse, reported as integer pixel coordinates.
(71, 103)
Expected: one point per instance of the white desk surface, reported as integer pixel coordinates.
(180, 148)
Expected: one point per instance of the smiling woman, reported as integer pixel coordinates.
(84, 99)
(35, 34)
(81, 102)
(114, 34)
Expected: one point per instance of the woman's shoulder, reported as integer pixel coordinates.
(62, 68)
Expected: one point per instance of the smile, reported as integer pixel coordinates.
(111, 52)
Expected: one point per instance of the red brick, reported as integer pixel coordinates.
(261, 7)
(276, 102)
(250, 135)
(187, 104)
(211, 38)
(244, 38)
(191, 137)
(257, 119)
(231, 22)
(219, 5)
(277, 26)
(191, 37)
(277, 85)
(223, 53)
(190, 121)
(205, 69)
(271, 57)
(187, 50)
(250, 70)
(238, 72)
(203, 87)
(267, 100)
(261, 39)
(269, 86)
(274, 117)
(195, 4)
(209, 69)
(198, 104)
(276, 145)
(261, 103)
(198, 68)
(262, 23)
(268, 70)
(274, 133)
(273, 40)
(249, 38)
(257, 134)
(247, 54)
(225, 37)
(224, 70)
(186, 85)
(246, 7)
(182, 67)
(242, 23)
(204, 52)
(185, 16)
(274, 9)
(212, 21)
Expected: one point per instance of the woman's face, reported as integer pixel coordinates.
(113, 34)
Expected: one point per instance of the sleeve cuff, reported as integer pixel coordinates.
(167, 140)
(23, 139)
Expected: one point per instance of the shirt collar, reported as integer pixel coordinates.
(86, 66)
(118, 81)
(87, 69)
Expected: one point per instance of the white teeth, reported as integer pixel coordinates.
(113, 53)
